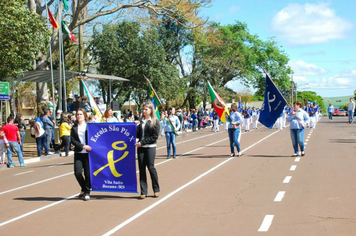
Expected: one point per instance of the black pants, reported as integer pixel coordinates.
(146, 158)
(65, 143)
(81, 161)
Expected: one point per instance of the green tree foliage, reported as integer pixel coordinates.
(22, 36)
(127, 51)
(311, 96)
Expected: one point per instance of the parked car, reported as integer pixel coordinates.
(340, 112)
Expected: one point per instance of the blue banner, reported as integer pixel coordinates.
(112, 158)
(273, 104)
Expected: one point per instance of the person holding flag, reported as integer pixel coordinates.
(298, 119)
(171, 124)
(234, 130)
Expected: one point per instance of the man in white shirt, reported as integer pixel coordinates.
(350, 110)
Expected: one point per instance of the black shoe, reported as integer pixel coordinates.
(168, 156)
(174, 157)
(81, 194)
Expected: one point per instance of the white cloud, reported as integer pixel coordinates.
(309, 24)
(233, 10)
(302, 68)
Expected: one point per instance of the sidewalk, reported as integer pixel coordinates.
(29, 155)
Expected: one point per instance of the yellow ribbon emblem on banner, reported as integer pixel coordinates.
(111, 162)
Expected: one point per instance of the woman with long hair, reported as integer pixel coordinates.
(41, 138)
(171, 126)
(109, 116)
(147, 133)
(234, 130)
(79, 139)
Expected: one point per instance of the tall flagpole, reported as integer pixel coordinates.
(64, 82)
(60, 55)
(51, 63)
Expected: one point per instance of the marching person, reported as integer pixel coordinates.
(169, 128)
(234, 130)
(147, 134)
(254, 118)
(81, 156)
(298, 119)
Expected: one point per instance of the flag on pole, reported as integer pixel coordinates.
(155, 101)
(273, 104)
(65, 5)
(94, 107)
(65, 30)
(52, 20)
(218, 104)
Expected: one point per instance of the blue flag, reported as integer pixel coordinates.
(112, 158)
(273, 104)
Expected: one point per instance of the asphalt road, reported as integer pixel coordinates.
(203, 191)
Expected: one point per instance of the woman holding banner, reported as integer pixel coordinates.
(298, 119)
(81, 157)
(234, 129)
(147, 134)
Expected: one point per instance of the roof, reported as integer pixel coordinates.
(45, 76)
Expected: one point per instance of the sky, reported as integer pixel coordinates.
(319, 37)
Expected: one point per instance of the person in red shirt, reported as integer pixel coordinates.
(13, 137)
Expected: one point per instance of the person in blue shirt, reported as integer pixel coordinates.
(331, 110)
(170, 131)
(298, 119)
(235, 119)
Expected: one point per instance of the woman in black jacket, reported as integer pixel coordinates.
(81, 157)
(147, 134)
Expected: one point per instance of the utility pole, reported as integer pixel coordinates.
(292, 86)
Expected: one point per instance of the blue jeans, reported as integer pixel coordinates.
(351, 116)
(297, 136)
(10, 150)
(330, 115)
(22, 135)
(41, 141)
(233, 137)
(171, 139)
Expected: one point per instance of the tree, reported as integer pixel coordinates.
(311, 96)
(23, 35)
(127, 51)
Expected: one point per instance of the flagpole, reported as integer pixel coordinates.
(64, 82)
(51, 63)
(60, 55)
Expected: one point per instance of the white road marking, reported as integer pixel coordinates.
(39, 182)
(35, 211)
(297, 159)
(287, 179)
(306, 140)
(141, 212)
(23, 173)
(279, 196)
(266, 223)
(305, 144)
(293, 167)
(118, 227)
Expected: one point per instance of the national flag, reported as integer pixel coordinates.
(218, 104)
(273, 104)
(52, 20)
(155, 101)
(94, 107)
(65, 30)
(65, 4)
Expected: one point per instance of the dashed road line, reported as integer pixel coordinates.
(287, 179)
(266, 223)
(279, 196)
(293, 167)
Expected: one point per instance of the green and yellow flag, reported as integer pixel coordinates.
(155, 101)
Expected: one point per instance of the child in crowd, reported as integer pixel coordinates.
(64, 134)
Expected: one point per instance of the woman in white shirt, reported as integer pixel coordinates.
(109, 116)
(81, 157)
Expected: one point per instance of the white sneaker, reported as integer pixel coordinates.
(50, 153)
(86, 197)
